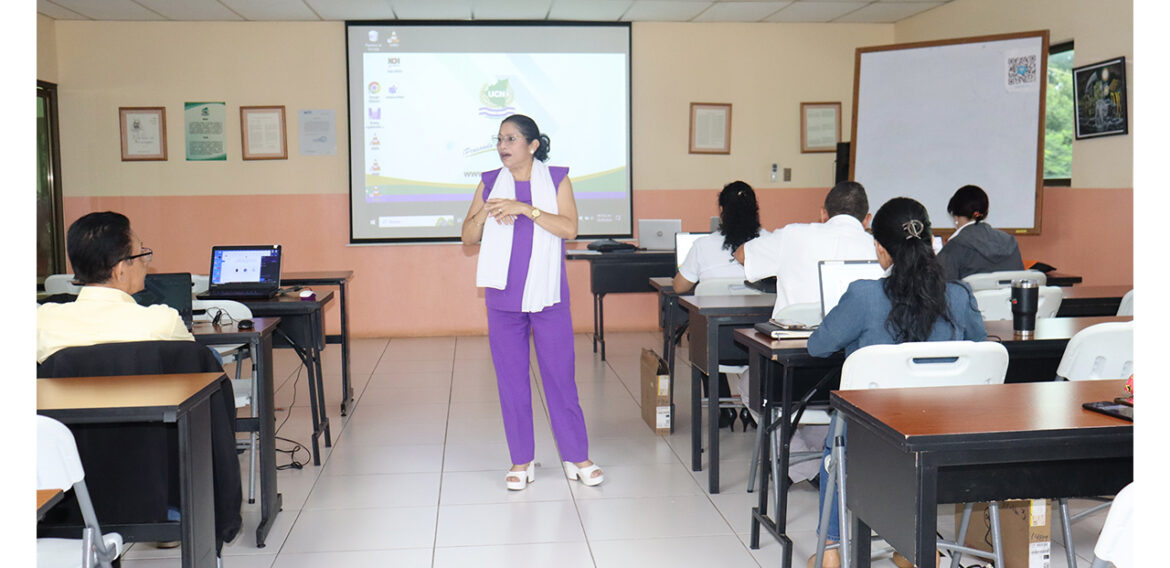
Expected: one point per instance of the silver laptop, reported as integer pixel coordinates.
(683, 243)
(836, 275)
(658, 234)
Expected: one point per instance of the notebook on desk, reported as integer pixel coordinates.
(243, 273)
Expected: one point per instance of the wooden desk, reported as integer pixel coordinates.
(339, 278)
(620, 273)
(302, 327)
(1038, 357)
(1063, 280)
(712, 320)
(46, 498)
(1082, 301)
(259, 338)
(181, 399)
(910, 449)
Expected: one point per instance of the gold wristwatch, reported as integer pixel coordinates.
(535, 213)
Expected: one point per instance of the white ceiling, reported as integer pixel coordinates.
(853, 11)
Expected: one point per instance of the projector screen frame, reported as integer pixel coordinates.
(1043, 37)
(629, 212)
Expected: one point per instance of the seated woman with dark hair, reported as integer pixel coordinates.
(976, 247)
(912, 302)
(711, 257)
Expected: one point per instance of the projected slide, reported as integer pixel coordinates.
(421, 124)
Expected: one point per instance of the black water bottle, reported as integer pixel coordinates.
(1025, 301)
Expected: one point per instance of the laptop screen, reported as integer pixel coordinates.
(836, 275)
(245, 265)
(173, 289)
(683, 243)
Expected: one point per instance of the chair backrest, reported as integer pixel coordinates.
(1126, 307)
(724, 287)
(808, 313)
(925, 364)
(236, 310)
(61, 284)
(58, 465)
(129, 358)
(1102, 351)
(997, 304)
(1003, 279)
(200, 283)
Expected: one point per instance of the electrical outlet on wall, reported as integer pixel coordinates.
(787, 174)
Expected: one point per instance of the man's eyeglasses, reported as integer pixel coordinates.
(146, 253)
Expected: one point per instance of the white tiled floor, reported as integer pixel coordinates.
(415, 475)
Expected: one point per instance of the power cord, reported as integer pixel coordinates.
(297, 446)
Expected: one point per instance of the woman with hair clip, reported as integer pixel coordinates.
(522, 213)
(976, 246)
(711, 257)
(911, 302)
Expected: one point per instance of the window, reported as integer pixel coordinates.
(50, 234)
(1058, 122)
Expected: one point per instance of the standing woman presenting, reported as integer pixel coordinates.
(522, 213)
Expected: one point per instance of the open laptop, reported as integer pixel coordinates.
(836, 275)
(658, 234)
(243, 272)
(683, 243)
(171, 289)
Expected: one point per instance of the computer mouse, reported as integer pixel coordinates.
(245, 324)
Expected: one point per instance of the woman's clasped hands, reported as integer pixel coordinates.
(505, 211)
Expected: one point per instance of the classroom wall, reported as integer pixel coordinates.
(181, 208)
(46, 49)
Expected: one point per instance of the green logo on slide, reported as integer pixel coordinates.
(496, 95)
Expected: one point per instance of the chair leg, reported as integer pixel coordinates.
(961, 536)
(996, 536)
(829, 484)
(1070, 552)
(842, 511)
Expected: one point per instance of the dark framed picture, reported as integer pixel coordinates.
(1100, 103)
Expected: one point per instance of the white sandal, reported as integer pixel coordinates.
(584, 474)
(517, 480)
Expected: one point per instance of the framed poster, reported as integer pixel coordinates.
(205, 132)
(263, 131)
(820, 127)
(710, 128)
(1099, 99)
(144, 133)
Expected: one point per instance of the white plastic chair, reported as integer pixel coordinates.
(921, 364)
(244, 389)
(200, 283)
(61, 284)
(59, 467)
(997, 304)
(1126, 307)
(1102, 351)
(1115, 544)
(1003, 279)
(1098, 352)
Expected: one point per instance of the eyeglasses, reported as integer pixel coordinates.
(146, 253)
(510, 139)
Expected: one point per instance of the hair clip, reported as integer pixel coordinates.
(913, 229)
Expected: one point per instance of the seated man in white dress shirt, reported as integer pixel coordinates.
(110, 262)
(791, 253)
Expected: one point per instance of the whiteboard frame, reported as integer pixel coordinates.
(1042, 35)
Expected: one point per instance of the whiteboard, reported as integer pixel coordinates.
(932, 117)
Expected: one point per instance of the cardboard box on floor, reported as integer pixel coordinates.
(655, 392)
(1026, 527)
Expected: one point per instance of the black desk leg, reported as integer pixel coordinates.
(765, 452)
(712, 365)
(696, 420)
(781, 512)
(601, 322)
(862, 536)
(196, 491)
(595, 324)
(315, 353)
(346, 385)
(270, 500)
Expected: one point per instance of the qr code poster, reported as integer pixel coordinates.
(1022, 71)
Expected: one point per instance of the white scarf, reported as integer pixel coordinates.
(542, 287)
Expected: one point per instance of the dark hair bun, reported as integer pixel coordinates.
(542, 152)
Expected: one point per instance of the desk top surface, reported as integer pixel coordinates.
(284, 304)
(664, 284)
(261, 326)
(1096, 292)
(1051, 406)
(715, 304)
(129, 391)
(316, 277)
(46, 498)
(1048, 329)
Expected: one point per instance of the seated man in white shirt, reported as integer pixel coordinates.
(110, 262)
(791, 253)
